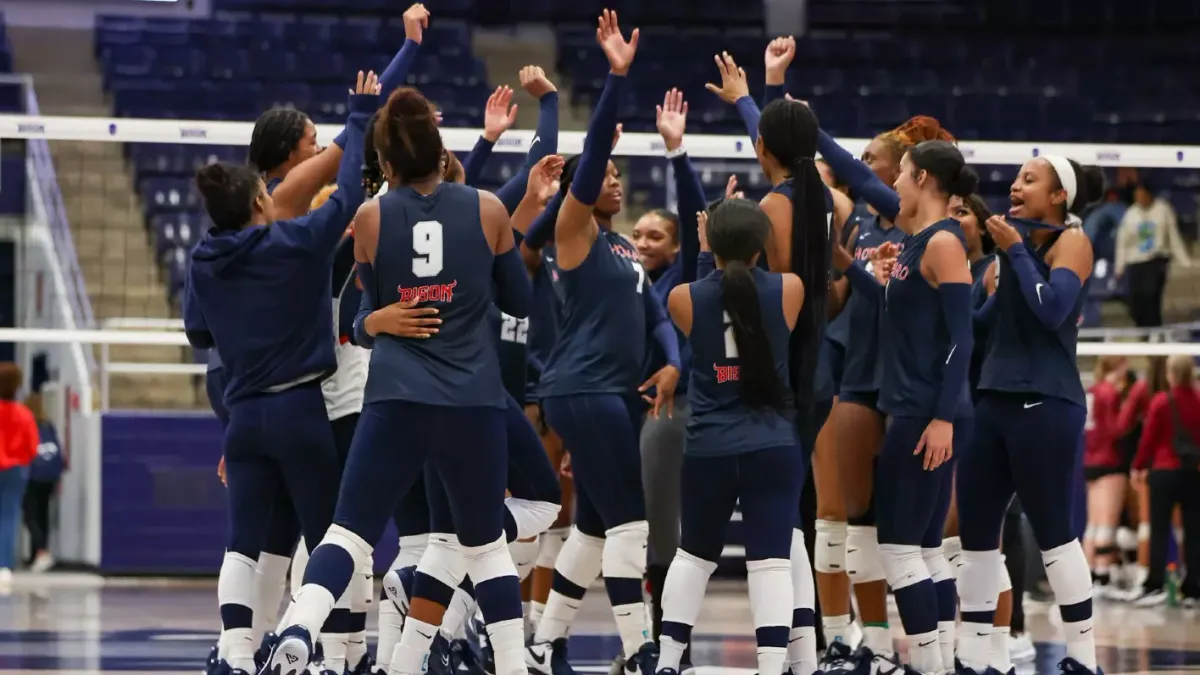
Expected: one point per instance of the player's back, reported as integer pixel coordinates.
(432, 248)
(720, 422)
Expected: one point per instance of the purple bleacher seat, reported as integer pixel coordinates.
(164, 195)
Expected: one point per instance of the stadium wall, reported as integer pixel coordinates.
(81, 14)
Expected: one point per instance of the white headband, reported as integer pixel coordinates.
(1066, 175)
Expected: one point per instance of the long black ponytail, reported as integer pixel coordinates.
(737, 232)
(788, 130)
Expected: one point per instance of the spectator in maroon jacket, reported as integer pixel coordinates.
(1107, 475)
(1170, 452)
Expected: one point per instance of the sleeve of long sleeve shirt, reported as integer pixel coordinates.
(690, 194)
(194, 325)
(1131, 407)
(862, 181)
(1126, 238)
(474, 163)
(750, 114)
(391, 78)
(545, 142)
(1155, 431)
(1178, 250)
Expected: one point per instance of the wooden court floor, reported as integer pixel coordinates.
(83, 625)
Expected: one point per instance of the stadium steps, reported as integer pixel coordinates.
(122, 277)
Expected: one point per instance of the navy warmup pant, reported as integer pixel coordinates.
(530, 475)
(465, 448)
(911, 502)
(1030, 446)
(214, 386)
(602, 432)
(279, 444)
(766, 483)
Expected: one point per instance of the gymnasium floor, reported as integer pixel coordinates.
(82, 625)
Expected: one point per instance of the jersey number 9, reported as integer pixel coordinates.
(427, 248)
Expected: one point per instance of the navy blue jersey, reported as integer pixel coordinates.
(601, 343)
(823, 388)
(979, 295)
(544, 315)
(720, 423)
(863, 370)
(918, 340)
(432, 248)
(1022, 355)
(512, 335)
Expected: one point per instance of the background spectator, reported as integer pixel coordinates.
(1101, 223)
(18, 445)
(44, 473)
(1168, 449)
(1147, 240)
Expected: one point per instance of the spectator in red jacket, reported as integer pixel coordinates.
(1104, 469)
(1133, 415)
(18, 445)
(1170, 452)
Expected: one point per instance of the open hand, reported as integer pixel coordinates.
(663, 382)
(619, 52)
(366, 84)
(498, 117)
(731, 188)
(544, 177)
(702, 229)
(403, 319)
(937, 442)
(671, 118)
(733, 80)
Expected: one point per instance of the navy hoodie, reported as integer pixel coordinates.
(262, 292)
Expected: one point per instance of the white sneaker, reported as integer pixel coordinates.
(1021, 649)
(5, 576)
(1151, 599)
(538, 656)
(854, 635)
(42, 563)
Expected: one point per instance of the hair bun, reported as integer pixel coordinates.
(211, 178)
(965, 183)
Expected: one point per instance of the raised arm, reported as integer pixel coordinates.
(498, 117)
(576, 230)
(293, 196)
(671, 118)
(735, 90)
(545, 137)
(1050, 299)
(514, 292)
(780, 53)
(321, 230)
(862, 181)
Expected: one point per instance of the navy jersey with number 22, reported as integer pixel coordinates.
(720, 423)
(433, 248)
(602, 332)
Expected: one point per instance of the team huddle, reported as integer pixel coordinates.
(531, 397)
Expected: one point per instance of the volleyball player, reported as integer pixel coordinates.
(283, 148)
(925, 385)
(590, 385)
(436, 241)
(1104, 469)
(238, 278)
(1031, 411)
(741, 440)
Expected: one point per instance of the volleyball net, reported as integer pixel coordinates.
(112, 215)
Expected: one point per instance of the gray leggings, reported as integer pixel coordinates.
(662, 463)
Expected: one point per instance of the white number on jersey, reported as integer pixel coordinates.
(427, 248)
(1090, 421)
(731, 351)
(641, 272)
(513, 329)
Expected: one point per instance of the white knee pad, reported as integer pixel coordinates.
(361, 587)
(829, 556)
(1068, 573)
(1126, 539)
(524, 555)
(862, 555)
(903, 565)
(444, 561)
(532, 518)
(356, 546)
(550, 545)
(936, 563)
(1005, 580)
(412, 548)
(1104, 535)
(953, 549)
(580, 559)
(237, 583)
(979, 580)
(489, 561)
(625, 551)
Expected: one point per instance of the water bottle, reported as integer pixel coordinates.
(1172, 586)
